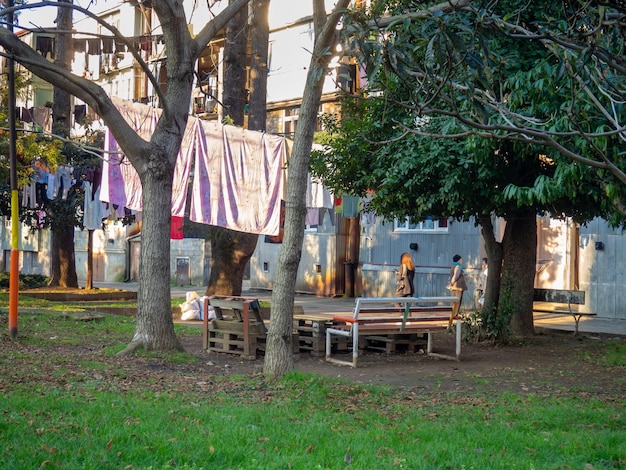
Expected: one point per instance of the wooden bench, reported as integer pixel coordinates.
(376, 316)
(560, 301)
(237, 329)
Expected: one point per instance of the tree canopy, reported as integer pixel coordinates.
(547, 74)
(465, 116)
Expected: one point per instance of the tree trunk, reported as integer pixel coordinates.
(494, 259)
(518, 272)
(62, 264)
(154, 325)
(231, 250)
(62, 261)
(89, 280)
(234, 98)
(230, 253)
(278, 355)
(259, 44)
(61, 107)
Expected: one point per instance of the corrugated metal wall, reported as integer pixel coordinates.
(322, 264)
(603, 269)
(382, 247)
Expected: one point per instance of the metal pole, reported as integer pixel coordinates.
(15, 254)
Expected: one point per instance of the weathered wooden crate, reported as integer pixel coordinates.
(391, 344)
(311, 337)
(227, 336)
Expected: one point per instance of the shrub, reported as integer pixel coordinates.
(26, 280)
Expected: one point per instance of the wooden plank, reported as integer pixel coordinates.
(563, 312)
(389, 343)
(559, 296)
(232, 343)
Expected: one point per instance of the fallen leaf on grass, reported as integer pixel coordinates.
(387, 451)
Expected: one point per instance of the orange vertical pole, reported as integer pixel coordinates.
(14, 274)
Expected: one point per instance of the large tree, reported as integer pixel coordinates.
(154, 159)
(548, 73)
(278, 357)
(430, 62)
(231, 250)
(62, 259)
(420, 176)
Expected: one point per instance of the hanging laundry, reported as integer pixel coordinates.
(29, 195)
(43, 117)
(45, 45)
(120, 183)
(279, 237)
(41, 194)
(62, 181)
(176, 228)
(238, 175)
(313, 216)
(145, 43)
(50, 193)
(317, 195)
(95, 46)
(80, 46)
(107, 45)
(80, 113)
(338, 204)
(120, 46)
(350, 206)
(238, 180)
(93, 208)
(28, 115)
(182, 171)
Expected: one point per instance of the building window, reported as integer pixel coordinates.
(290, 121)
(346, 78)
(428, 224)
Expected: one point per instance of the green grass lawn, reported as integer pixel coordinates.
(67, 402)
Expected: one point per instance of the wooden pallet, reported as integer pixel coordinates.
(311, 336)
(227, 336)
(391, 344)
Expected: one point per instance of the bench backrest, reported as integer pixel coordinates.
(560, 296)
(236, 305)
(402, 305)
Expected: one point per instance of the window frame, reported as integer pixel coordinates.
(407, 226)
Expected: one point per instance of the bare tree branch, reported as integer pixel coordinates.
(114, 31)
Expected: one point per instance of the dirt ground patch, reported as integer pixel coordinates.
(551, 362)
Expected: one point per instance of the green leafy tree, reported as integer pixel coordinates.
(546, 73)
(429, 144)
